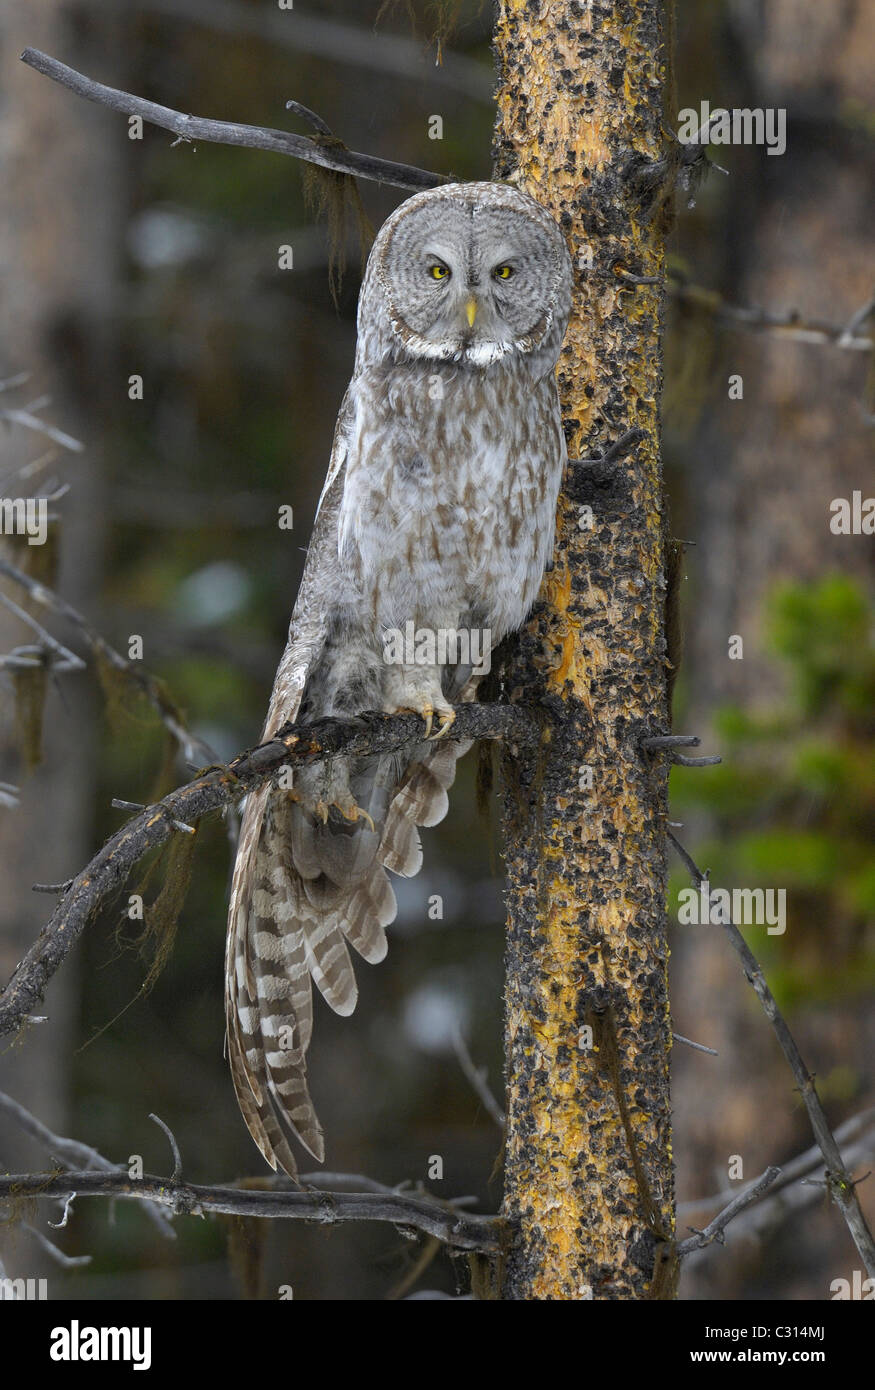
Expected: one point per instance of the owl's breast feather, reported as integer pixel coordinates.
(449, 504)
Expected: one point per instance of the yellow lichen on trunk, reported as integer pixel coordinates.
(589, 1193)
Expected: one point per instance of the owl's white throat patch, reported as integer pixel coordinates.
(479, 354)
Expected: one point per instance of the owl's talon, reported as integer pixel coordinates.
(446, 717)
(355, 814)
(446, 720)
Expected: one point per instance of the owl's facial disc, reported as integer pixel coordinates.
(469, 282)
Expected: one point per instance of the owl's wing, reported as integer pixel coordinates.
(278, 937)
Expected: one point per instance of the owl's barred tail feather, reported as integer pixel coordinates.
(279, 939)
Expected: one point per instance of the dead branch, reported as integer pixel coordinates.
(213, 790)
(47, 652)
(194, 750)
(477, 1078)
(25, 417)
(190, 128)
(857, 1133)
(789, 324)
(459, 1230)
(714, 1230)
(838, 1181)
(794, 1192)
(73, 1155)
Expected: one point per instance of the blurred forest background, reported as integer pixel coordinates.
(123, 257)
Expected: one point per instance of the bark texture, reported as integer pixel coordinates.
(589, 1186)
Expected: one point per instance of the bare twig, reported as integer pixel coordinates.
(657, 741)
(461, 1231)
(48, 653)
(177, 1160)
(69, 1199)
(58, 1255)
(189, 128)
(855, 323)
(10, 382)
(698, 1047)
(839, 1182)
(714, 1230)
(29, 421)
(477, 1078)
(788, 324)
(669, 743)
(71, 1153)
(195, 750)
(210, 792)
(858, 1133)
(619, 449)
(790, 1195)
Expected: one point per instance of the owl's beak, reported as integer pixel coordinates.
(471, 311)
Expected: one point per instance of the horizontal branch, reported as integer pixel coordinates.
(186, 127)
(459, 1230)
(838, 1180)
(210, 792)
(788, 324)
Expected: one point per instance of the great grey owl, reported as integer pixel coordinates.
(431, 537)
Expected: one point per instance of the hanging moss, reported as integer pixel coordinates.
(161, 916)
(441, 19)
(123, 697)
(30, 685)
(335, 197)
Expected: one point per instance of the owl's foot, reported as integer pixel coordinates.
(336, 796)
(417, 690)
(446, 718)
(347, 808)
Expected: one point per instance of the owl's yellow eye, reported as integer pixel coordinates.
(503, 272)
(438, 272)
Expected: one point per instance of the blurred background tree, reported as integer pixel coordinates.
(171, 256)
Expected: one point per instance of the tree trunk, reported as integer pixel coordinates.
(589, 1183)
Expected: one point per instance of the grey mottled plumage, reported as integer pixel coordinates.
(438, 509)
